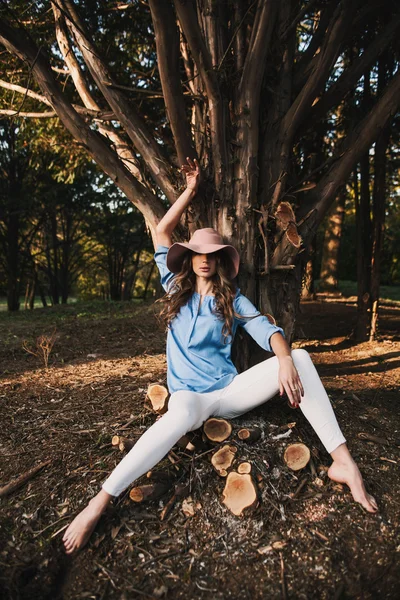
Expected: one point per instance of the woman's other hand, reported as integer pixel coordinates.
(289, 381)
(192, 172)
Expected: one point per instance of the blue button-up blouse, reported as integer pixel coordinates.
(198, 356)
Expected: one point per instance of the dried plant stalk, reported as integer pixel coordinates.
(43, 348)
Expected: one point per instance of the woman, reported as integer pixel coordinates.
(203, 309)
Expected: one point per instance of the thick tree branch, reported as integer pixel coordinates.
(346, 82)
(121, 147)
(123, 109)
(98, 114)
(167, 44)
(9, 112)
(190, 27)
(330, 50)
(317, 39)
(254, 65)
(357, 143)
(15, 42)
(21, 90)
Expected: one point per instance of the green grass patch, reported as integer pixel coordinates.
(349, 288)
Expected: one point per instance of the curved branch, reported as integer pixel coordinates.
(254, 65)
(350, 76)
(21, 90)
(123, 109)
(190, 27)
(357, 143)
(122, 149)
(167, 44)
(330, 50)
(148, 204)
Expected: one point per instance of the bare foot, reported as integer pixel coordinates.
(348, 472)
(81, 528)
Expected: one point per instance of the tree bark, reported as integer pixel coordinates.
(331, 248)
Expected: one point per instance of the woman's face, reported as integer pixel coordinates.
(204, 265)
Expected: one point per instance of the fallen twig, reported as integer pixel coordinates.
(17, 483)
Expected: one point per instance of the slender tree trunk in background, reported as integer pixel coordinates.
(54, 239)
(308, 288)
(149, 276)
(331, 247)
(42, 294)
(129, 281)
(32, 292)
(363, 226)
(13, 261)
(27, 289)
(379, 203)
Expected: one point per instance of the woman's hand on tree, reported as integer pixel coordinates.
(290, 382)
(192, 172)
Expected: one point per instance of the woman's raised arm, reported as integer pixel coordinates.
(171, 219)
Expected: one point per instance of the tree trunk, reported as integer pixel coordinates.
(130, 279)
(13, 262)
(363, 226)
(308, 288)
(378, 206)
(331, 248)
(146, 287)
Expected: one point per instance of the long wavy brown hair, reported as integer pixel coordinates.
(183, 285)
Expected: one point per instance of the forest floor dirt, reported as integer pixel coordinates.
(319, 544)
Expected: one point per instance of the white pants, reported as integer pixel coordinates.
(188, 411)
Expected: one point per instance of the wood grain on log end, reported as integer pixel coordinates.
(223, 459)
(244, 468)
(249, 434)
(240, 493)
(296, 456)
(217, 430)
(158, 397)
(149, 491)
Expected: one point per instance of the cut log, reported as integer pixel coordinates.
(124, 444)
(17, 483)
(296, 456)
(240, 493)
(222, 459)
(162, 476)
(149, 491)
(217, 430)
(158, 397)
(249, 434)
(244, 468)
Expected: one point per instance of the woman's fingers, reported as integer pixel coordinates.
(294, 393)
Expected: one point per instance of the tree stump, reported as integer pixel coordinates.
(296, 456)
(217, 430)
(240, 493)
(222, 459)
(158, 397)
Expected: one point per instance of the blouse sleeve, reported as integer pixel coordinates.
(256, 324)
(166, 275)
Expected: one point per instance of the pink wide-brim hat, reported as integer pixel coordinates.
(203, 241)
